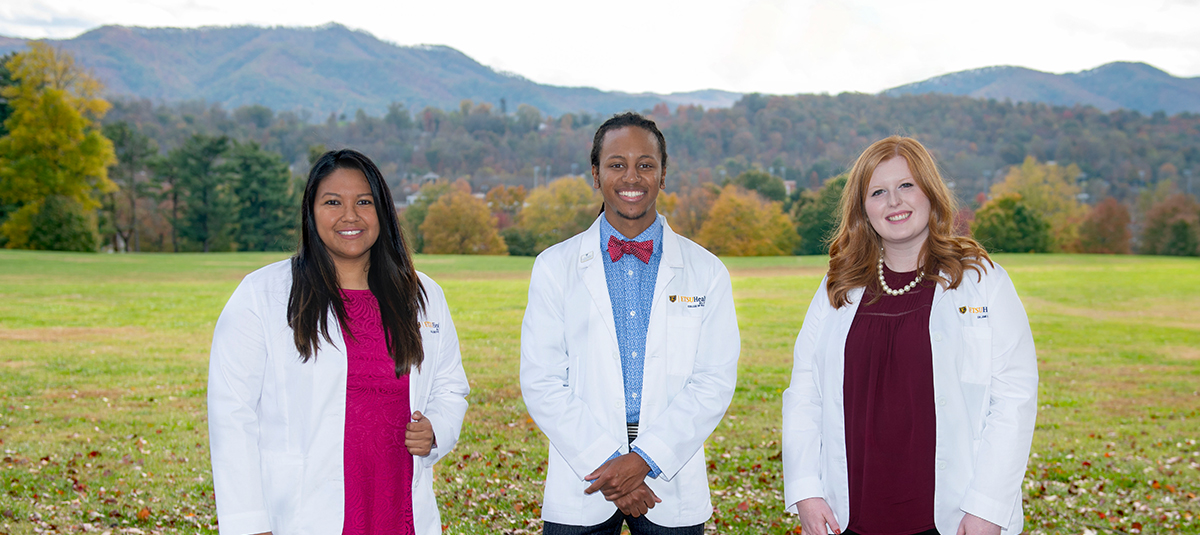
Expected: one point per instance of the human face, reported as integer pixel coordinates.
(347, 224)
(896, 207)
(629, 178)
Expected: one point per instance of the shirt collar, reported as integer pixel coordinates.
(653, 232)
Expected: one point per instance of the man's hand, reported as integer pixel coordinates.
(815, 514)
(418, 436)
(973, 525)
(639, 501)
(619, 476)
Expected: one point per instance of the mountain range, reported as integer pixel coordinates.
(326, 69)
(334, 69)
(1132, 86)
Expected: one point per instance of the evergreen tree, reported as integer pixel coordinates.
(769, 186)
(205, 207)
(267, 204)
(815, 216)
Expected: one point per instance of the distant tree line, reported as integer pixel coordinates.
(761, 177)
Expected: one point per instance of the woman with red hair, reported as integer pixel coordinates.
(914, 386)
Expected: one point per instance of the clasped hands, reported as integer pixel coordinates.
(623, 482)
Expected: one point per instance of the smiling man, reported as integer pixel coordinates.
(629, 354)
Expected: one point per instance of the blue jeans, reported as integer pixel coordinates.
(612, 526)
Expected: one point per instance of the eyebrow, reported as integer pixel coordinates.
(335, 194)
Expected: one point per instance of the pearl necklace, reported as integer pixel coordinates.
(901, 291)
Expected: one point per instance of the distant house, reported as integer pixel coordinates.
(790, 186)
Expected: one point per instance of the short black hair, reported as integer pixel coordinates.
(621, 120)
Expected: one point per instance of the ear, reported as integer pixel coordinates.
(595, 177)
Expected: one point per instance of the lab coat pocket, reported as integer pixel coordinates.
(977, 355)
(282, 477)
(683, 339)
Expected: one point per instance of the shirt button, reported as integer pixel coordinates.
(635, 354)
(941, 465)
(631, 273)
(632, 313)
(937, 337)
(635, 395)
(941, 400)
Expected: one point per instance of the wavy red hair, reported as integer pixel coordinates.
(854, 248)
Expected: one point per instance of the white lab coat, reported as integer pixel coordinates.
(985, 395)
(572, 383)
(277, 426)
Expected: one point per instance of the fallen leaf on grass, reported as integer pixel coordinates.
(144, 513)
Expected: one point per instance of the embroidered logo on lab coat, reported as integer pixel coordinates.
(691, 302)
(432, 327)
(980, 312)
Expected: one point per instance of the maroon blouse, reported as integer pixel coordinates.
(378, 467)
(889, 410)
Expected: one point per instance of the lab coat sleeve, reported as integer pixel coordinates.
(693, 414)
(802, 411)
(235, 378)
(564, 417)
(449, 388)
(1008, 426)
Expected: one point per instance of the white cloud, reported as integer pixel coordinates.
(773, 46)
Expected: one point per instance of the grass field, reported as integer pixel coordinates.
(103, 361)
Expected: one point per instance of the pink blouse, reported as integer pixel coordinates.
(378, 467)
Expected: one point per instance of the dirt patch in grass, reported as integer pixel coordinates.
(776, 271)
(1176, 314)
(73, 334)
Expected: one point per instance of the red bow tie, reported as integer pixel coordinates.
(641, 249)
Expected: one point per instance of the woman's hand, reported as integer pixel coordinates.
(418, 436)
(973, 525)
(815, 514)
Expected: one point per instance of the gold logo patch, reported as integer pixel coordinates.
(962, 310)
(671, 298)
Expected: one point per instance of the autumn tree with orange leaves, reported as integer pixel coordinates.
(741, 223)
(460, 223)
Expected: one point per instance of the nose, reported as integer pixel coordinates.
(893, 198)
(351, 212)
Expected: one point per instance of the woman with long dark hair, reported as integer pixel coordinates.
(914, 387)
(335, 380)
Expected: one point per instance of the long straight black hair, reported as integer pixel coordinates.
(390, 275)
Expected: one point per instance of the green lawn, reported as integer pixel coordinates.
(103, 361)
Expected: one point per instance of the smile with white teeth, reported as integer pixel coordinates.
(899, 217)
(631, 195)
(350, 232)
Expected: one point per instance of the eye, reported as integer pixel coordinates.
(617, 165)
(333, 202)
(907, 185)
(877, 192)
(364, 202)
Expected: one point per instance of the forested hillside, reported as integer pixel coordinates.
(807, 138)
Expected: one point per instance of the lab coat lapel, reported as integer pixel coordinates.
(591, 270)
(672, 261)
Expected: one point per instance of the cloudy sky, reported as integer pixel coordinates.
(770, 46)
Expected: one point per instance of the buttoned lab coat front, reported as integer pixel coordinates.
(571, 375)
(985, 401)
(277, 425)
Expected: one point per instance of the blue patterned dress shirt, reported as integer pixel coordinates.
(631, 291)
